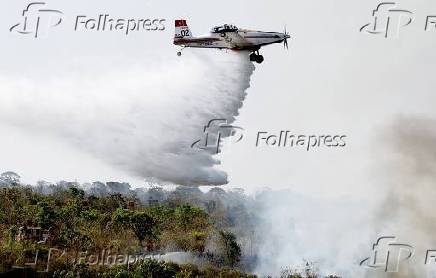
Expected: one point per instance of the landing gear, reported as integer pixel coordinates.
(179, 53)
(256, 57)
(260, 59)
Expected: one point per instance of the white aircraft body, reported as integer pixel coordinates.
(228, 37)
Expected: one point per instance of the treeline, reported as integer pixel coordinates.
(78, 221)
(94, 230)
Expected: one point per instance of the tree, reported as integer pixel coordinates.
(188, 216)
(77, 193)
(144, 228)
(232, 250)
(10, 178)
(76, 204)
(46, 215)
(122, 216)
(139, 222)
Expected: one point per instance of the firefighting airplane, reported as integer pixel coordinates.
(229, 37)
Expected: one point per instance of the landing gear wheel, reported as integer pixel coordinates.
(259, 59)
(256, 58)
(179, 53)
(253, 57)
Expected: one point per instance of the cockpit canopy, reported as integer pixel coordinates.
(224, 28)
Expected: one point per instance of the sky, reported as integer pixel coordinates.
(333, 80)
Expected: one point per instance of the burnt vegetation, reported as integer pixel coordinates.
(47, 228)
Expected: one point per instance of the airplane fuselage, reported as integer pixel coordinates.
(236, 40)
(228, 37)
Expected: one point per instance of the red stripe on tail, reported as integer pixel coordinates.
(181, 23)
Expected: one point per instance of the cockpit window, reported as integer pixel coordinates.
(224, 28)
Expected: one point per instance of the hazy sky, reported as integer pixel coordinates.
(333, 80)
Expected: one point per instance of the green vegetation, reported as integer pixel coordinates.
(110, 230)
(77, 222)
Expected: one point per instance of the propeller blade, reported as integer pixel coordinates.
(285, 41)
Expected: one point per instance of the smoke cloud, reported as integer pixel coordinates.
(336, 235)
(409, 178)
(142, 117)
(297, 229)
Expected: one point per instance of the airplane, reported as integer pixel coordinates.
(228, 37)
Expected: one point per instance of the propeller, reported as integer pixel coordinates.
(285, 41)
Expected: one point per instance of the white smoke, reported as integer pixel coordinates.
(409, 180)
(336, 235)
(297, 229)
(141, 117)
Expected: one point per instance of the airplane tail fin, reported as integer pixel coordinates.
(182, 29)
